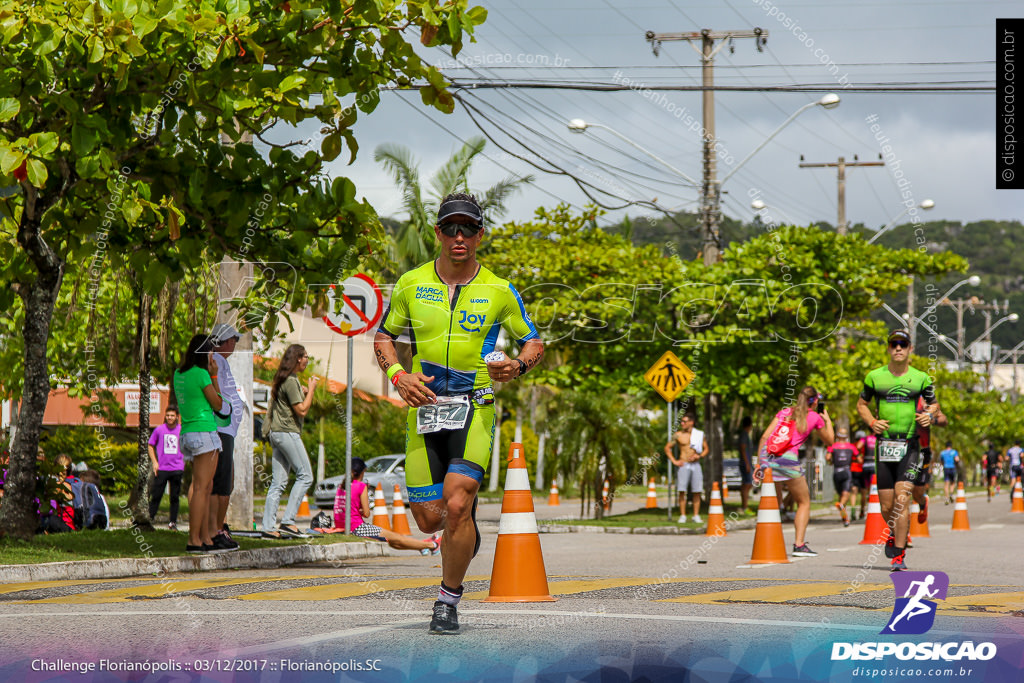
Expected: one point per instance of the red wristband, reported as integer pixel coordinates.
(394, 380)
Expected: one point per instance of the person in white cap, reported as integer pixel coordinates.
(224, 337)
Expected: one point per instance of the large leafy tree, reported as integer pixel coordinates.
(111, 125)
(414, 242)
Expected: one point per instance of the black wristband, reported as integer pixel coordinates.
(522, 368)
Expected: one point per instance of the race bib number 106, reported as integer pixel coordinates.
(891, 450)
(450, 412)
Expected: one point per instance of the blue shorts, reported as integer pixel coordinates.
(949, 474)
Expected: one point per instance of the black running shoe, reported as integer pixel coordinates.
(898, 564)
(476, 548)
(890, 547)
(223, 542)
(445, 619)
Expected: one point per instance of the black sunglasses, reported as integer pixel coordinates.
(899, 344)
(452, 229)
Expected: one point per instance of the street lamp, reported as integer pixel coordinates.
(712, 197)
(973, 281)
(759, 206)
(829, 101)
(927, 205)
(580, 126)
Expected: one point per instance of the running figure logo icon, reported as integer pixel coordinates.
(914, 613)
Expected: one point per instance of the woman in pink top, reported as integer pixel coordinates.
(787, 470)
(365, 529)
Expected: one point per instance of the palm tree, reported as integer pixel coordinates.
(598, 436)
(415, 242)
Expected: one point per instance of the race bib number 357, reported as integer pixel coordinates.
(891, 450)
(449, 412)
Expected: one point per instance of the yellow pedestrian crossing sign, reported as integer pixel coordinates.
(669, 376)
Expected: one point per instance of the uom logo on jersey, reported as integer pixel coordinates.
(914, 612)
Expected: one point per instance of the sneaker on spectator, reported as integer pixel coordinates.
(172, 526)
(681, 520)
(697, 519)
(222, 542)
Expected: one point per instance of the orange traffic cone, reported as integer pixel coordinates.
(518, 573)
(303, 507)
(960, 522)
(875, 529)
(716, 515)
(605, 498)
(380, 509)
(725, 490)
(652, 495)
(917, 528)
(1018, 497)
(399, 520)
(769, 543)
(553, 495)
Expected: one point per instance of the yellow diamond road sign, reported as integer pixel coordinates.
(669, 376)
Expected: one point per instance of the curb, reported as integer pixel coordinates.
(262, 558)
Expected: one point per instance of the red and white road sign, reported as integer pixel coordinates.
(355, 306)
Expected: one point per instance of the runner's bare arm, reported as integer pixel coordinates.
(864, 411)
(410, 385)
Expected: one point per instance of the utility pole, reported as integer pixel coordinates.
(973, 304)
(711, 215)
(841, 165)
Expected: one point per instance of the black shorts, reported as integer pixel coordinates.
(991, 474)
(862, 480)
(925, 475)
(224, 475)
(908, 469)
(843, 480)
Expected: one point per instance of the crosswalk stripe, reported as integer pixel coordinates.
(346, 590)
(994, 604)
(779, 594)
(576, 586)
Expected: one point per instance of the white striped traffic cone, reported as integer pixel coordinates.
(960, 521)
(1018, 497)
(518, 573)
(769, 543)
(652, 495)
(605, 498)
(399, 520)
(553, 496)
(380, 509)
(716, 515)
(875, 529)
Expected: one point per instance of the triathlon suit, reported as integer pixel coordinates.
(843, 454)
(924, 439)
(449, 342)
(867, 468)
(1013, 455)
(991, 464)
(897, 450)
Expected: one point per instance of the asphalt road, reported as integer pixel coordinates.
(631, 607)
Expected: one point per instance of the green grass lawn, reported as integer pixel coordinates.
(117, 543)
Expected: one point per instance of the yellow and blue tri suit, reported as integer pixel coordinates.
(449, 342)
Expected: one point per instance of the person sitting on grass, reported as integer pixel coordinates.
(365, 529)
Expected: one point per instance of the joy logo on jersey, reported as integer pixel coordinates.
(471, 322)
(913, 613)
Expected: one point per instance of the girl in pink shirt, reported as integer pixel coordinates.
(787, 470)
(364, 529)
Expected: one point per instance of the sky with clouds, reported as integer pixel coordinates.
(944, 142)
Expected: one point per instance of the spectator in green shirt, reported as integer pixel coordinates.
(198, 397)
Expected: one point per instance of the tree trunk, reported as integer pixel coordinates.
(138, 501)
(598, 495)
(18, 515)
